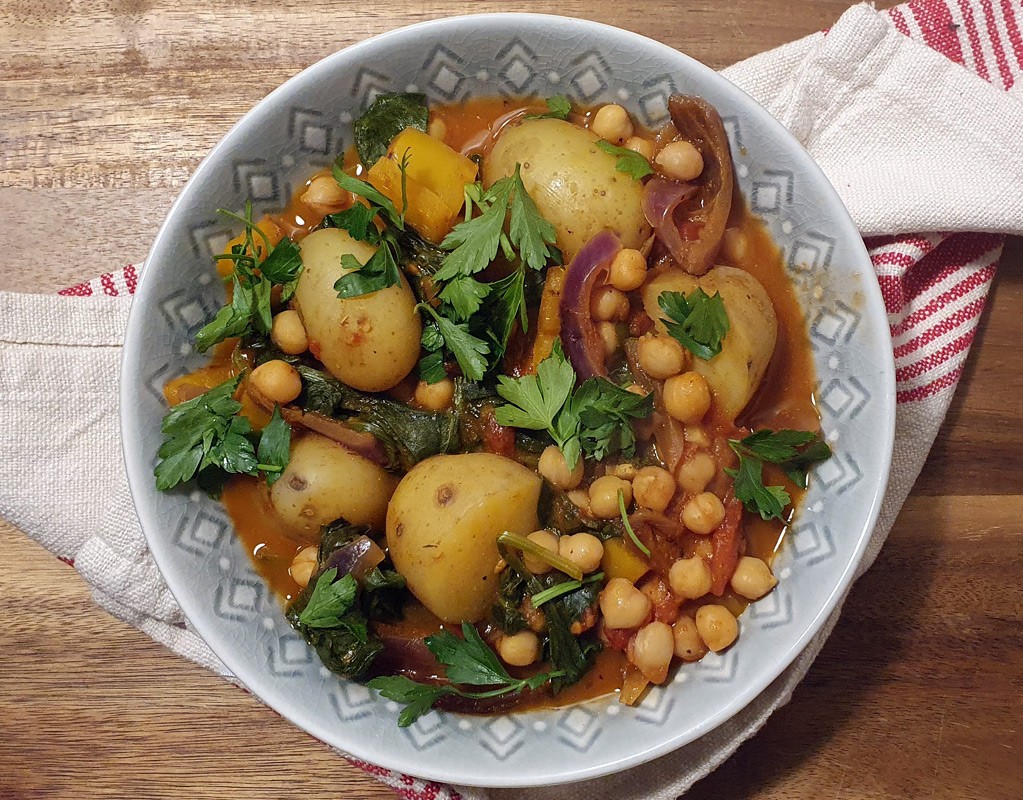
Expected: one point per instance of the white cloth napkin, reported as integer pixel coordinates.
(915, 143)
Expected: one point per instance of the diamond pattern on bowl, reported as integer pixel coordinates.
(844, 398)
(200, 531)
(351, 700)
(309, 131)
(367, 85)
(653, 102)
(502, 735)
(772, 194)
(288, 656)
(719, 667)
(655, 706)
(239, 600)
(813, 543)
(578, 727)
(589, 75)
(427, 731)
(516, 68)
(834, 325)
(773, 610)
(446, 77)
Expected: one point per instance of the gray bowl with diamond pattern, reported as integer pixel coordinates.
(302, 126)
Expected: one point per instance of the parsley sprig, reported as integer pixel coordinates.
(595, 419)
(252, 279)
(381, 269)
(558, 107)
(330, 601)
(205, 437)
(698, 322)
(468, 662)
(629, 161)
(794, 451)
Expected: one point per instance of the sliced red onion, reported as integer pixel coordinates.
(356, 558)
(359, 442)
(661, 198)
(579, 334)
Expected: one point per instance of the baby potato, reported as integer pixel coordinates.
(324, 481)
(369, 342)
(735, 373)
(573, 182)
(442, 527)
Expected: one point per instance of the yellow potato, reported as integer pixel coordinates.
(324, 481)
(735, 373)
(369, 342)
(572, 181)
(443, 523)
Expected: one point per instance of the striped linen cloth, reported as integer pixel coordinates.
(935, 248)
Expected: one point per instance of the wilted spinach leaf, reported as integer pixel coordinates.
(389, 115)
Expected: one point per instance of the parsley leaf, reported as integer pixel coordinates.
(358, 221)
(379, 272)
(284, 263)
(467, 661)
(768, 501)
(274, 447)
(330, 600)
(558, 107)
(389, 115)
(529, 232)
(473, 244)
(776, 447)
(203, 432)
(380, 202)
(418, 698)
(465, 295)
(605, 413)
(469, 351)
(629, 161)
(698, 322)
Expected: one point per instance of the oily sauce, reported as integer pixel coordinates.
(784, 400)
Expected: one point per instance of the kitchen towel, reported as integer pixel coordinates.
(913, 113)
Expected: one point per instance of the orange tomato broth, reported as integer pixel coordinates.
(785, 398)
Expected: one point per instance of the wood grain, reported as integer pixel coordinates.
(107, 107)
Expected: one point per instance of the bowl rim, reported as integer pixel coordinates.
(139, 472)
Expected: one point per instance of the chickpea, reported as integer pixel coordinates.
(680, 161)
(545, 539)
(519, 649)
(652, 650)
(288, 333)
(277, 381)
(690, 578)
(607, 304)
(716, 626)
(581, 498)
(628, 270)
(324, 193)
(661, 356)
(435, 396)
(623, 605)
(608, 337)
(687, 397)
(703, 513)
(734, 246)
(752, 578)
(612, 122)
(642, 146)
(688, 644)
(653, 488)
(303, 565)
(625, 471)
(696, 473)
(604, 496)
(554, 468)
(583, 549)
(437, 128)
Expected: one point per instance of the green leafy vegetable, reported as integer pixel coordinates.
(698, 322)
(379, 272)
(357, 220)
(388, 116)
(628, 525)
(380, 202)
(274, 447)
(469, 351)
(248, 313)
(563, 588)
(558, 107)
(407, 434)
(777, 447)
(629, 161)
(330, 601)
(541, 553)
(595, 419)
(468, 662)
(473, 244)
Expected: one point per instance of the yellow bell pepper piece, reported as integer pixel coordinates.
(273, 232)
(435, 165)
(619, 561)
(426, 212)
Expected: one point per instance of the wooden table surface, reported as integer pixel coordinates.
(106, 107)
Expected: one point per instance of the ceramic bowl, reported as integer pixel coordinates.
(300, 127)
